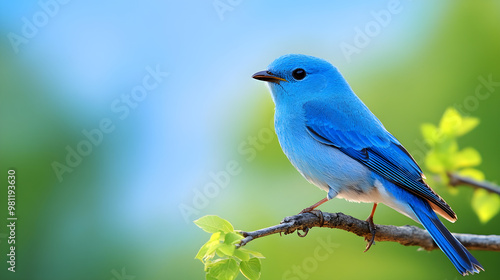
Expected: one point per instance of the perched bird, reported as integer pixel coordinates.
(337, 144)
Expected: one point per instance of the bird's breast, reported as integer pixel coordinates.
(323, 165)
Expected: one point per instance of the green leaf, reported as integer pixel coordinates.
(226, 269)
(466, 158)
(447, 146)
(208, 249)
(485, 204)
(209, 277)
(226, 249)
(254, 253)
(232, 238)
(450, 122)
(208, 263)
(218, 236)
(434, 163)
(472, 173)
(430, 133)
(242, 255)
(214, 243)
(202, 252)
(210, 254)
(468, 124)
(251, 269)
(212, 224)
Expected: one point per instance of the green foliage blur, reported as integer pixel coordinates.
(444, 158)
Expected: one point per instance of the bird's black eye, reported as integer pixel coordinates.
(299, 74)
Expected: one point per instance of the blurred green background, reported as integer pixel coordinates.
(126, 210)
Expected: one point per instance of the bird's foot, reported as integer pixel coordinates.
(317, 213)
(305, 230)
(373, 230)
(293, 219)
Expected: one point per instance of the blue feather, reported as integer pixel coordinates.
(373, 146)
(454, 250)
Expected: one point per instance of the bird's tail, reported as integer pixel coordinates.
(463, 261)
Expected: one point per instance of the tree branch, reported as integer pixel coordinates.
(456, 180)
(405, 235)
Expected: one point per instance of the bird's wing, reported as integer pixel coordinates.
(361, 136)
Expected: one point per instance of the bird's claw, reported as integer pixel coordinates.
(369, 243)
(315, 212)
(305, 230)
(292, 220)
(319, 214)
(373, 230)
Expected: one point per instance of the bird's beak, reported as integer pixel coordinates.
(267, 76)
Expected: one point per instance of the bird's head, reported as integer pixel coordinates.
(294, 77)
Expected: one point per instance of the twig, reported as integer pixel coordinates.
(456, 180)
(405, 235)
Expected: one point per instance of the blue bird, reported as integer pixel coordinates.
(337, 144)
